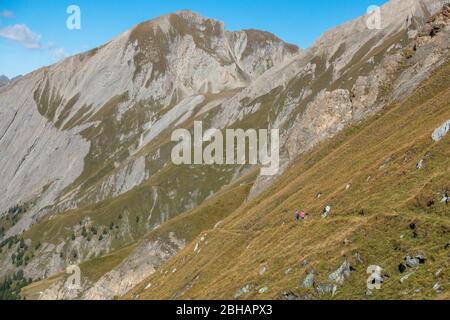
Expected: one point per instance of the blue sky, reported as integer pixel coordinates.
(33, 33)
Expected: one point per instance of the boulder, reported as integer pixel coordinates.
(420, 165)
(437, 287)
(309, 281)
(290, 296)
(343, 272)
(420, 257)
(263, 290)
(440, 132)
(263, 270)
(243, 291)
(359, 259)
(412, 262)
(376, 278)
(326, 288)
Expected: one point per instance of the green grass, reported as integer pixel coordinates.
(94, 269)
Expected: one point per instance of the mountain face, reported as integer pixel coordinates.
(98, 131)
(85, 144)
(96, 113)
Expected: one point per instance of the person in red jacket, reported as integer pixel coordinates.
(303, 215)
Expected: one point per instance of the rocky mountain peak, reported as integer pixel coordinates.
(195, 18)
(4, 80)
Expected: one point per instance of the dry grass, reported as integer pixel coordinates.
(186, 227)
(378, 157)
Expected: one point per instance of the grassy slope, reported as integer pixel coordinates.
(378, 157)
(187, 227)
(190, 224)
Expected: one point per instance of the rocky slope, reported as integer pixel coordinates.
(92, 172)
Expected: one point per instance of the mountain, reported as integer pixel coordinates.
(85, 152)
(4, 80)
(98, 114)
(93, 133)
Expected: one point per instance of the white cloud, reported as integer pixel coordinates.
(22, 34)
(6, 14)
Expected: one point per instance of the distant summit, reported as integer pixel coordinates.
(4, 80)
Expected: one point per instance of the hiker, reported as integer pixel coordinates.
(303, 215)
(297, 216)
(326, 211)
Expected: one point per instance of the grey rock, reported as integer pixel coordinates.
(421, 258)
(243, 291)
(437, 287)
(343, 272)
(441, 132)
(143, 262)
(420, 165)
(263, 290)
(377, 278)
(263, 270)
(412, 262)
(309, 281)
(326, 289)
(359, 259)
(290, 296)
